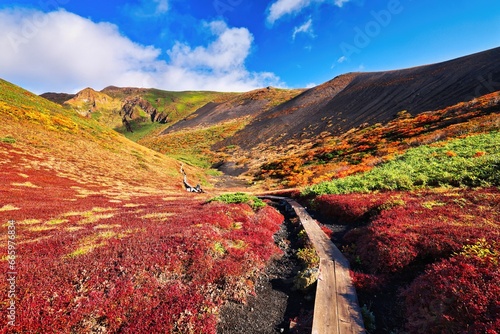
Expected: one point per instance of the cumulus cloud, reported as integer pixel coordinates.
(61, 51)
(227, 52)
(305, 28)
(219, 65)
(281, 8)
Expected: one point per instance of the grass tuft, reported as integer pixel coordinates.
(236, 198)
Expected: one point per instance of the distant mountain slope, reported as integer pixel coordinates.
(168, 107)
(58, 98)
(354, 99)
(88, 101)
(190, 139)
(177, 105)
(250, 103)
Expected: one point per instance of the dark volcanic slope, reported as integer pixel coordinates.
(353, 99)
(247, 104)
(58, 98)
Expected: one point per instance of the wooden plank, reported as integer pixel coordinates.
(336, 308)
(349, 312)
(326, 304)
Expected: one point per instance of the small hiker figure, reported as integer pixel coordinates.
(190, 188)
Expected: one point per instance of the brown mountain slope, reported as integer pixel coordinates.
(354, 99)
(58, 98)
(123, 92)
(250, 104)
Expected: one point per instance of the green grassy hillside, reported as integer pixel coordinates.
(177, 105)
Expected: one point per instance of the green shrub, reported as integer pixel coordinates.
(235, 198)
(308, 257)
(473, 162)
(8, 140)
(368, 319)
(482, 249)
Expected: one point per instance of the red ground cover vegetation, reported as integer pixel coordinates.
(456, 295)
(453, 233)
(92, 259)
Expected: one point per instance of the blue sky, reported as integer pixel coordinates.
(231, 45)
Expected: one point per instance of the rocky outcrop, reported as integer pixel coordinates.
(88, 101)
(137, 101)
(305, 279)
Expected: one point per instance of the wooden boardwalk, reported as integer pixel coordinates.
(336, 308)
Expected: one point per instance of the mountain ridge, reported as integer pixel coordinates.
(374, 97)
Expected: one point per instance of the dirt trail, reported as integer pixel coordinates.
(275, 308)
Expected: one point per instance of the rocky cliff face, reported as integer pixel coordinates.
(130, 103)
(113, 105)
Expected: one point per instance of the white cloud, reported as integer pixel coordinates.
(227, 52)
(284, 7)
(61, 51)
(161, 6)
(305, 28)
(281, 8)
(342, 59)
(340, 3)
(147, 9)
(220, 65)
(311, 85)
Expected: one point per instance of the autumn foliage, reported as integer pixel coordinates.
(361, 149)
(144, 265)
(457, 295)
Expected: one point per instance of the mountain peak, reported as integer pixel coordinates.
(89, 100)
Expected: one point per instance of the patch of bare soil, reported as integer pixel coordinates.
(275, 307)
(225, 181)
